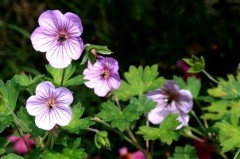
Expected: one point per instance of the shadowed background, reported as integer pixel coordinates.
(139, 32)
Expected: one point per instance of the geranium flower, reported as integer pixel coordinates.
(19, 145)
(50, 106)
(170, 99)
(59, 36)
(124, 154)
(102, 76)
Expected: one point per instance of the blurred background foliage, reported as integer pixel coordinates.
(139, 32)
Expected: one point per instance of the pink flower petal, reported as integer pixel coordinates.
(42, 39)
(75, 24)
(51, 19)
(74, 48)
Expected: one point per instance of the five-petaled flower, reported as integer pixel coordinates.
(50, 106)
(59, 36)
(102, 76)
(170, 99)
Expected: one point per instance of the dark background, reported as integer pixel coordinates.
(139, 32)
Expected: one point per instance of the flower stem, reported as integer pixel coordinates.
(131, 141)
(199, 122)
(116, 100)
(92, 130)
(18, 124)
(210, 77)
(237, 154)
(24, 140)
(147, 141)
(62, 79)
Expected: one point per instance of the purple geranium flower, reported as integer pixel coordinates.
(102, 76)
(50, 106)
(170, 99)
(59, 36)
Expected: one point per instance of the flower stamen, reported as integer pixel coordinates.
(105, 73)
(62, 37)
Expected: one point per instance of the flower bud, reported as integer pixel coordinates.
(101, 140)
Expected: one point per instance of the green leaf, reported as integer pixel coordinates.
(10, 93)
(186, 152)
(76, 123)
(98, 48)
(166, 133)
(11, 156)
(26, 81)
(25, 118)
(118, 119)
(75, 81)
(53, 155)
(36, 153)
(58, 73)
(5, 121)
(229, 132)
(192, 84)
(74, 153)
(3, 143)
(216, 110)
(227, 89)
(196, 64)
(142, 104)
(139, 81)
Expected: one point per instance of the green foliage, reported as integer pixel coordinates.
(92, 51)
(217, 109)
(74, 153)
(186, 152)
(196, 64)
(139, 81)
(166, 132)
(6, 121)
(229, 132)
(142, 105)
(71, 147)
(53, 155)
(192, 84)
(3, 143)
(76, 123)
(119, 119)
(26, 81)
(68, 72)
(9, 95)
(25, 118)
(122, 119)
(11, 156)
(227, 89)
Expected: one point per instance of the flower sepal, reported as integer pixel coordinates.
(101, 140)
(196, 64)
(91, 52)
